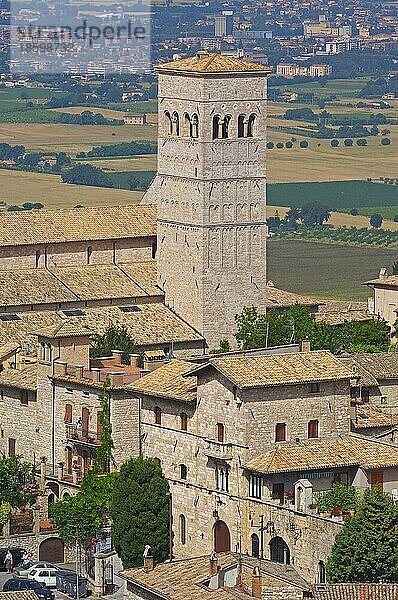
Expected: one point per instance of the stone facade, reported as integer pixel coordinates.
(197, 464)
(210, 192)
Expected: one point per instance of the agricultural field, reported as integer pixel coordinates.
(72, 138)
(143, 162)
(325, 270)
(18, 187)
(338, 195)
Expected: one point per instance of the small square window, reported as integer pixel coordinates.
(315, 388)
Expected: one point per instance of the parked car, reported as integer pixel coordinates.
(16, 554)
(24, 571)
(45, 576)
(19, 585)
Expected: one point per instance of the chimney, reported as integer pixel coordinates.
(213, 564)
(202, 54)
(116, 378)
(117, 357)
(148, 559)
(305, 345)
(256, 583)
(60, 368)
(383, 273)
(79, 371)
(96, 371)
(134, 358)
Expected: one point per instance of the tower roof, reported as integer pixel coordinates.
(203, 62)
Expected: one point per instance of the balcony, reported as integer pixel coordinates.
(79, 435)
(218, 450)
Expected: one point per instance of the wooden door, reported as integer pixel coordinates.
(85, 421)
(52, 550)
(376, 478)
(222, 537)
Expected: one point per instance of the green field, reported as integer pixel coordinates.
(325, 270)
(338, 195)
(341, 87)
(121, 180)
(387, 212)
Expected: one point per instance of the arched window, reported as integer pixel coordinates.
(186, 125)
(168, 130)
(251, 125)
(183, 471)
(279, 551)
(220, 432)
(183, 529)
(49, 353)
(89, 253)
(241, 125)
(255, 545)
(216, 127)
(225, 126)
(37, 258)
(195, 126)
(85, 421)
(175, 124)
(321, 572)
(184, 421)
(51, 499)
(158, 415)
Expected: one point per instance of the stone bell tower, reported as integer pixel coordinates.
(210, 190)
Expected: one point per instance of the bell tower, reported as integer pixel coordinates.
(210, 190)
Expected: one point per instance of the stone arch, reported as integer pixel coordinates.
(251, 125)
(222, 537)
(279, 551)
(241, 126)
(194, 126)
(186, 125)
(167, 123)
(175, 123)
(216, 127)
(255, 545)
(52, 550)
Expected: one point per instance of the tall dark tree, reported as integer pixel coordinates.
(140, 511)
(115, 337)
(366, 549)
(376, 221)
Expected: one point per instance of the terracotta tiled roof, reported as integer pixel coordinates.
(24, 595)
(84, 282)
(31, 286)
(383, 365)
(369, 415)
(357, 591)
(182, 579)
(391, 281)
(327, 453)
(8, 349)
(366, 378)
(76, 224)
(64, 329)
(168, 382)
(91, 282)
(24, 378)
(274, 298)
(151, 324)
(204, 62)
(337, 312)
(280, 369)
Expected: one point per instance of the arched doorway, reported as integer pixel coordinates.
(321, 572)
(222, 537)
(52, 550)
(255, 545)
(279, 551)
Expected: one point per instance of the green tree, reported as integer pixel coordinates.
(81, 516)
(376, 221)
(395, 268)
(314, 213)
(385, 141)
(87, 175)
(225, 346)
(115, 337)
(103, 456)
(140, 511)
(14, 473)
(366, 549)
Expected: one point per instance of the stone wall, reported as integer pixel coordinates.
(31, 542)
(69, 254)
(211, 200)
